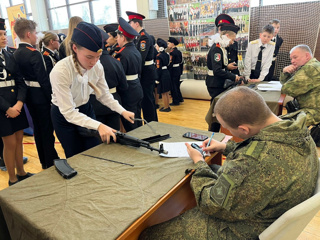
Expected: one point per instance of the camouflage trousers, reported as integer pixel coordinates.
(191, 225)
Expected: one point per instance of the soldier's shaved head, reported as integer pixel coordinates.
(242, 105)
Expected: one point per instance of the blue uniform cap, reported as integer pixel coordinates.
(88, 36)
(112, 27)
(173, 40)
(126, 29)
(162, 43)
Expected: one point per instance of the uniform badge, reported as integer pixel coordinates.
(143, 45)
(220, 191)
(217, 57)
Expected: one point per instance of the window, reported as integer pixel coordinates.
(128, 5)
(7, 3)
(104, 12)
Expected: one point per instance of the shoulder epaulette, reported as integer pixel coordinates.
(218, 45)
(254, 42)
(142, 34)
(272, 43)
(255, 148)
(31, 48)
(45, 53)
(117, 52)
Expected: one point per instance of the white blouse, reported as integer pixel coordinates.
(71, 90)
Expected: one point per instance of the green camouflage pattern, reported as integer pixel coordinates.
(262, 177)
(304, 85)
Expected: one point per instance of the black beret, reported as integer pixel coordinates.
(229, 27)
(173, 40)
(2, 24)
(112, 27)
(61, 37)
(223, 18)
(126, 29)
(133, 15)
(88, 36)
(162, 43)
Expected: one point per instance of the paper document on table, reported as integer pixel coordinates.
(177, 149)
(270, 86)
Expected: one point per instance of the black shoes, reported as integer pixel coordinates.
(12, 183)
(20, 178)
(174, 104)
(165, 109)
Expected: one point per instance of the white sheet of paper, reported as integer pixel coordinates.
(177, 149)
(270, 86)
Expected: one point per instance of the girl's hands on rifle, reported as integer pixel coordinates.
(106, 132)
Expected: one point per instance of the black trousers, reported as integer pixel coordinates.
(175, 91)
(43, 133)
(270, 76)
(148, 104)
(67, 133)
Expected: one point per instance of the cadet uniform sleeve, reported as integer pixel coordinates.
(41, 74)
(301, 82)
(21, 85)
(159, 67)
(48, 63)
(247, 62)
(217, 65)
(122, 80)
(144, 46)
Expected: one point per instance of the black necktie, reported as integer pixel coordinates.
(273, 39)
(257, 69)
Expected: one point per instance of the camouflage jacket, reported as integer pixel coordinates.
(304, 85)
(262, 177)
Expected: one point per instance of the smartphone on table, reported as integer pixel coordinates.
(195, 136)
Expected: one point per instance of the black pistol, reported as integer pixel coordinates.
(64, 169)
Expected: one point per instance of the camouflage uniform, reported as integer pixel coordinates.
(262, 177)
(304, 85)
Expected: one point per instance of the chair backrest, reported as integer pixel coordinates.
(290, 224)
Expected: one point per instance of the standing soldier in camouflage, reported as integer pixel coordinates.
(301, 80)
(144, 45)
(273, 170)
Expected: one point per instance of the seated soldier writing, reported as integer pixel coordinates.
(271, 171)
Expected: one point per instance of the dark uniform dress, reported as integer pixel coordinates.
(270, 75)
(131, 98)
(162, 61)
(38, 100)
(175, 73)
(116, 80)
(50, 58)
(233, 56)
(148, 76)
(12, 89)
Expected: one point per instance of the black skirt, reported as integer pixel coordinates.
(164, 82)
(11, 125)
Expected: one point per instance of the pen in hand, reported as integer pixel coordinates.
(210, 139)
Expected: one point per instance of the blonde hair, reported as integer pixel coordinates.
(23, 25)
(73, 22)
(46, 39)
(76, 64)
